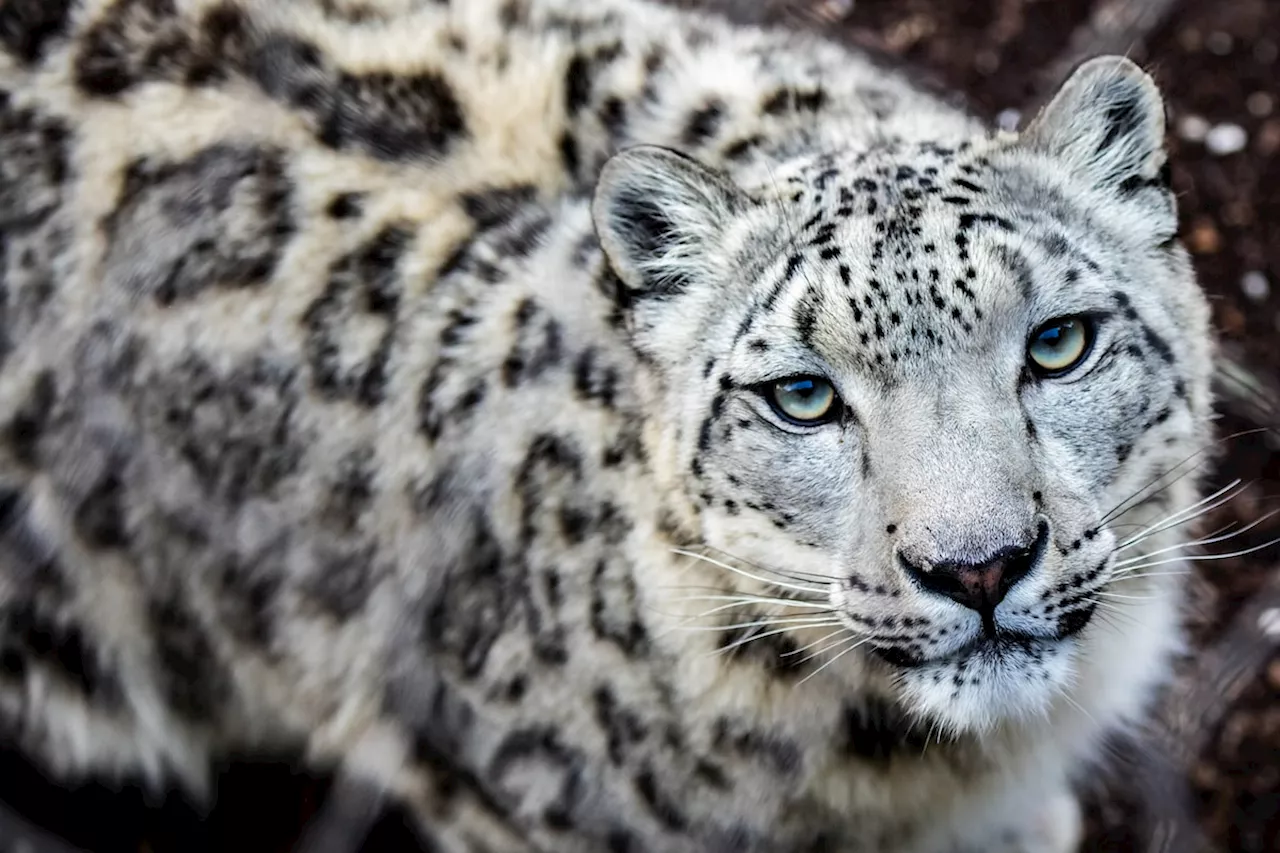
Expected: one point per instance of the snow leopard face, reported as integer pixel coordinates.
(915, 387)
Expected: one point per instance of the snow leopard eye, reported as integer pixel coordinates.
(804, 400)
(1059, 345)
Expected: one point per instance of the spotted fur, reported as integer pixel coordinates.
(392, 372)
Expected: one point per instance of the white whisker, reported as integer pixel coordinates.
(1129, 577)
(791, 573)
(837, 644)
(842, 629)
(760, 599)
(1210, 540)
(1121, 595)
(1175, 519)
(726, 590)
(733, 602)
(1078, 707)
(1222, 534)
(833, 660)
(1201, 558)
(810, 590)
(1112, 613)
(1110, 608)
(1223, 529)
(816, 621)
(1138, 497)
(758, 636)
(928, 738)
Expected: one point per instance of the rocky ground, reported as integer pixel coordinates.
(1210, 774)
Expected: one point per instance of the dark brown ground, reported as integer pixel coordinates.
(1217, 60)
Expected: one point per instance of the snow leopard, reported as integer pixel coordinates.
(600, 426)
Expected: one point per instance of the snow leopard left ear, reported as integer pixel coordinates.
(660, 216)
(1107, 125)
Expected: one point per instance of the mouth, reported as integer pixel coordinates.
(992, 643)
(989, 681)
(1001, 645)
(1015, 669)
(992, 648)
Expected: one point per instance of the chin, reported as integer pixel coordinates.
(990, 683)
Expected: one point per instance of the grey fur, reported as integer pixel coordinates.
(375, 378)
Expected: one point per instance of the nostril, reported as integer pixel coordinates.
(936, 579)
(1019, 564)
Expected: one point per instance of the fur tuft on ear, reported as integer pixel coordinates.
(1107, 124)
(659, 214)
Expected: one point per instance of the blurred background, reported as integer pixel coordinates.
(1207, 774)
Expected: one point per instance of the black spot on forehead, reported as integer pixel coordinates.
(806, 315)
(793, 265)
(969, 221)
(1018, 267)
(907, 295)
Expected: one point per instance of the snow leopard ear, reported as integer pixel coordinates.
(1107, 124)
(659, 214)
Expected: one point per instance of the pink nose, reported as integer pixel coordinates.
(981, 585)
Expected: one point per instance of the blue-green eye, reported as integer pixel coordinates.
(803, 400)
(1060, 345)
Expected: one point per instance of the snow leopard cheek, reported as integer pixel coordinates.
(1117, 419)
(802, 485)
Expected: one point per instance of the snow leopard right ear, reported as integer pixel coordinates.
(660, 216)
(1107, 125)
